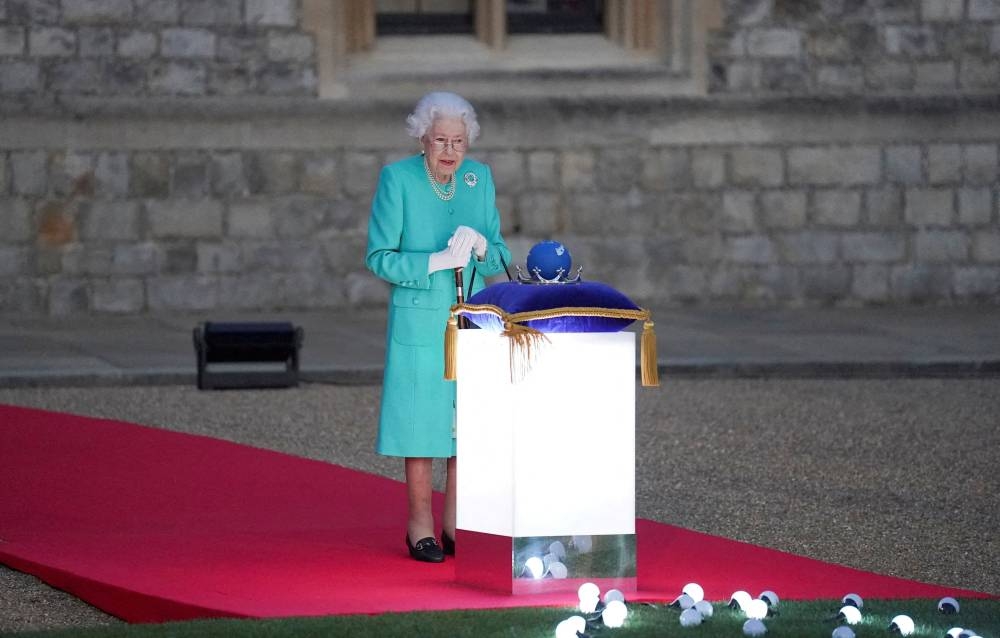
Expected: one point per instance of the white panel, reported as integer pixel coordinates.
(554, 453)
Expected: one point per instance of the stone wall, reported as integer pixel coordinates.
(857, 47)
(55, 48)
(678, 201)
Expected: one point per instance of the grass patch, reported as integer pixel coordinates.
(795, 620)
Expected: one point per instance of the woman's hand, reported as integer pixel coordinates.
(456, 255)
(463, 233)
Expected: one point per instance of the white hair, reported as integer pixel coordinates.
(442, 104)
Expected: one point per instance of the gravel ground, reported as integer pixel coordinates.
(900, 476)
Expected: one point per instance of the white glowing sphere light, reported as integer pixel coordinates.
(850, 614)
(614, 614)
(535, 567)
(754, 627)
(902, 624)
(690, 617)
(683, 602)
(853, 600)
(695, 591)
(704, 608)
(948, 605)
(756, 608)
(613, 594)
(589, 595)
(769, 597)
(569, 627)
(739, 600)
(842, 632)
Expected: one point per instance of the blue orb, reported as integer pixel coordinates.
(548, 258)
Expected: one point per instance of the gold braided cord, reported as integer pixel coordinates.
(551, 313)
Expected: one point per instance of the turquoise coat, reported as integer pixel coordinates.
(409, 222)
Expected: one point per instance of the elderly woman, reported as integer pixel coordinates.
(432, 213)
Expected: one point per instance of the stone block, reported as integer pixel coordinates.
(975, 206)
(300, 216)
(904, 164)
(750, 12)
(543, 169)
(150, 175)
(772, 284)
(347, 215)
(984, 10)
(841, 208)
(980, 166)
(910, 40)
(226, 175)
(119, 295)
(930, 206)
(686, 284)
(808, 247)
(250, 219)
(157, 11)
(176, 257)
(137, 44)
(944, 163)
(935, 75)
(177, 218)
(834, 165)
(68, 296)
(587, 213)
(321, 175)
(725, 283)
(20, 77)
(619, 169)
(111, 175)
(774, 43)
(284, 47)
(874, 247)
(250, 291)
(702, 248)
(883, 207)
(995, 40)
(187, 43)
(757, 167)
(889, 75)
(695, 211)
(229, 79)
(751, 249)
(708, 168)
(13, 260)
(32, 11)
(870, 282)
(211, 12)
(975, 73)
(578, 169)
(47, 42)
(977, 282)
(538, 213)
(110, 220)
(286, 78)
(744, 75)
(71, 173)
(182, 292)
(785, 76)
(97, 11)
(986, 246)
(242, 47)
(920, 283)
(344, 253)
(664, 169)
(218, 257)
(135, 259)
(16, 223)
(940, 10)
(182, 77)
(280, 13)
(4, 182)
(827, 283)
(361, 174)
(76, 76)
(739, 211)
(96, 41)
(783, 209)
(841, 77)
(509, 222)
(507, 168)
(941, 246)
(22, 295)
(190, 176)
(29, 174)
(272, 173)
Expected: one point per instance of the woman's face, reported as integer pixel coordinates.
(444, 146)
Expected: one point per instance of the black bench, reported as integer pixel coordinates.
(247, 354)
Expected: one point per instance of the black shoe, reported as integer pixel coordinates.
(447, 544)
(426, 550)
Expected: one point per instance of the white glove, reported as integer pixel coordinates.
(456, 255)
(478, 243)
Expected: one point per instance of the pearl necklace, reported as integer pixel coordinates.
(438, 190)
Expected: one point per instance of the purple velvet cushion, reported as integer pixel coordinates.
(559, 299)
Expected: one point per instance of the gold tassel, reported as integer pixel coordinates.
(450, 347)
(647, 356)
(524, 342)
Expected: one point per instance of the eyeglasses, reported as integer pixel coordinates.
(440, 143)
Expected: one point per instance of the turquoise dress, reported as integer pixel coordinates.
(409, 222)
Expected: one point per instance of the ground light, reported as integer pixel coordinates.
(756, 608)
(948, 605)
(754, 627)
(570, 627)
(842, 632)
(739, 600)
(690, 617)
(850, 614)
(902, 624)
(695, 591)
(589, 595)
(853, 600)
(614, 614)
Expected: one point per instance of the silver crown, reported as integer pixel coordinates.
(535, 276)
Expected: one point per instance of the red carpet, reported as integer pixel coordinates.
(152, 525)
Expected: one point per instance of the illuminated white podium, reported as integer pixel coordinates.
(546, 464)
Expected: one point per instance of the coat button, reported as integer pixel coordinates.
(416, 301)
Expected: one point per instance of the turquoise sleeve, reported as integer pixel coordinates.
(384, 256)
